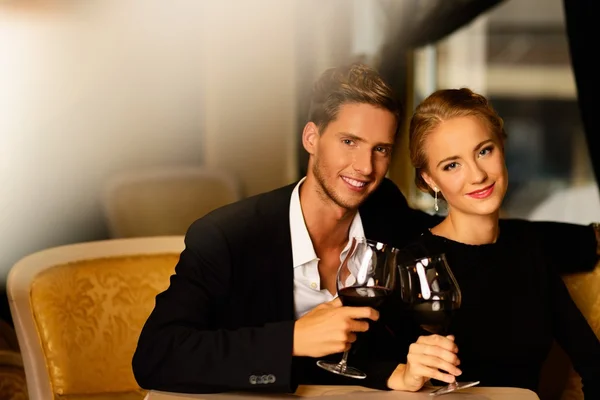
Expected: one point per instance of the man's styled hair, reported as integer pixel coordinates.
(349, 84)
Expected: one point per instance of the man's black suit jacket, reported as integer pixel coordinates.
(226, 321)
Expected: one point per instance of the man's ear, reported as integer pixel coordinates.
(310, 137)
(430, 182)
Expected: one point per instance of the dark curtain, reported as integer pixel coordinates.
(418, 23)
(580, 21)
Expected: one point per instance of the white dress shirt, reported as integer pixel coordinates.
(307, 282)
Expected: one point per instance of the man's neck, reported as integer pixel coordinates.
(469, 229)
(327, 223)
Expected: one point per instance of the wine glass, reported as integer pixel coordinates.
(365, 278)
(431, 296)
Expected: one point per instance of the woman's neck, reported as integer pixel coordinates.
(469, 229)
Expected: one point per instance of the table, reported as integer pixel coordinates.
(358, 392)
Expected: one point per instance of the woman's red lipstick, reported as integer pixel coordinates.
(482, 193)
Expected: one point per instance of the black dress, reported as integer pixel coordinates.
(514, 305)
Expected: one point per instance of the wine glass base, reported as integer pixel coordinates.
(451, 387)
(347, 371)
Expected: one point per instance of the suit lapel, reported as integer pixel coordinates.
(373, 224)
(276, 259)
(385, 218)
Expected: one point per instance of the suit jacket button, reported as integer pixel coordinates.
(264, 379)
(271, 378)
(252, 379)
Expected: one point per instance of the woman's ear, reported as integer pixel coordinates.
(430, 182)
(310, 137)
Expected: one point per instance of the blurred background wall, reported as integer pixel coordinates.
(91, 88)
(88, 88)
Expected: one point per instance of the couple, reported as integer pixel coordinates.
(251, 304)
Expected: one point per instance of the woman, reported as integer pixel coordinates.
(513, 303)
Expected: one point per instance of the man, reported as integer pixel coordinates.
(250, 306)
(253, 290)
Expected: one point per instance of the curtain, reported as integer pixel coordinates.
(581, 35)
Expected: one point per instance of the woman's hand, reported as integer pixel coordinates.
(426, 357)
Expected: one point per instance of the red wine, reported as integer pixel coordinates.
(434, 316)
(373, 297)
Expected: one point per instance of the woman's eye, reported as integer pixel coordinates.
(486, 151)
(450, 166)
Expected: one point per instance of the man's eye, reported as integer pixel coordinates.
(382, 150)
(348, 141)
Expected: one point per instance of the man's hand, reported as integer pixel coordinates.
(329, 328)
(425, 359)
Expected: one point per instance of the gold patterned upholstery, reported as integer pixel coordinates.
(559, 379)
(79, 310)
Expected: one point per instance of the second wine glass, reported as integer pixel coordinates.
(431, 296)
(365, 278)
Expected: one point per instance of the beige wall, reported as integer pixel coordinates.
(250, 93)
(89, 88)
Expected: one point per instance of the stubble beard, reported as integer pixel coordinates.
(327, 192)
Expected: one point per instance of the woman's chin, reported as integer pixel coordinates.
(490, 207)
(487, 209)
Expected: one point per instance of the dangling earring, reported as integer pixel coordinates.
(435, 202)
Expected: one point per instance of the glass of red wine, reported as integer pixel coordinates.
(365, 278)
(431, 297)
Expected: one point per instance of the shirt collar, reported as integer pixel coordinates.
(302, 248)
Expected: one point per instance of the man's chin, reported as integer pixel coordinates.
(349, 199)
(352, 202)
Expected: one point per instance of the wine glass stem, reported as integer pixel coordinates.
(343, 364)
